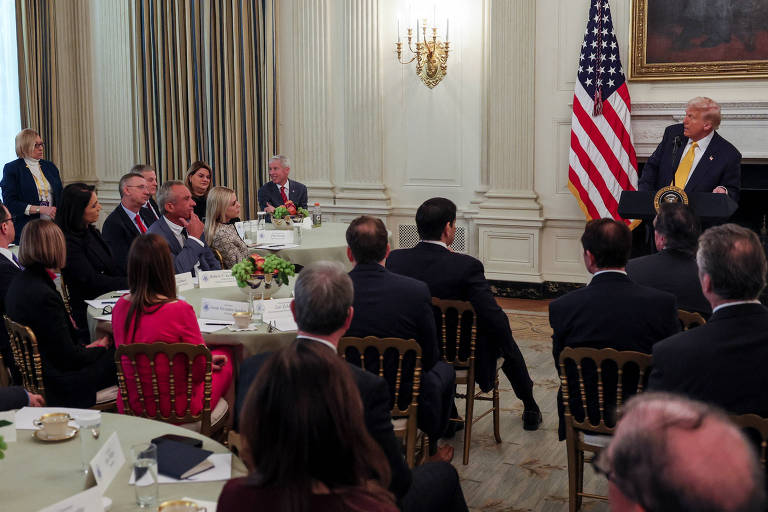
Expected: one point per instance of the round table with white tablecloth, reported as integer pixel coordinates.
(328, 242)
(36, 474)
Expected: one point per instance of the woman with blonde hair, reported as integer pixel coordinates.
(72, 373)
(222, 210)
(198, 180)
(31, 186)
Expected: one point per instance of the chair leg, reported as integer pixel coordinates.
(496, 409)
(573, 477)
(410, 445)
(468, 420)
(579, 478)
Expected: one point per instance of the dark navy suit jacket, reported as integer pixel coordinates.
(722, 362)
(19, 190)
(719, 165)
(185, 258)
(8, 272)
(119, 231)
(269, 192)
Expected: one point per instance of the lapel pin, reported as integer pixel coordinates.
(711, 158)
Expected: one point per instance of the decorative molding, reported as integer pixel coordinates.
(311, 92)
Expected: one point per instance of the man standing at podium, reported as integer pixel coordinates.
(694, 157)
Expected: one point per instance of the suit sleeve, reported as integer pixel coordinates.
(80, 271)
(732, 177)
(11, 189)
(189, 255)
(557, 335)
(379, 423)
(661, 378)
(650, 175)
(13, 397)
(114, 234)
(480, 295)
(262, 197)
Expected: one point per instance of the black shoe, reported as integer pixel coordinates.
(531, 419)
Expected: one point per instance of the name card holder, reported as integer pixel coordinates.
(216, 279)
(185, 281)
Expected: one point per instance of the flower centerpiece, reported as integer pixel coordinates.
(284, 216)
(256, 271)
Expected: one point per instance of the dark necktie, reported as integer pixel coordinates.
(282, 194)
(16, 261)
(184, 233)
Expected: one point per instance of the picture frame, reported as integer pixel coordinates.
(698, 39)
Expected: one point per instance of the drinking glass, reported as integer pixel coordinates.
(145, 474)
(89, 423)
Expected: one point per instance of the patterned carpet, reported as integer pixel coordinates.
(528, 471)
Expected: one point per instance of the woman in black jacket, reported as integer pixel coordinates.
(90, 270)
(72, 373)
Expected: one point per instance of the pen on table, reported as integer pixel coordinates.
(213, 323)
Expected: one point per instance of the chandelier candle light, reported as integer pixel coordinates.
(431, 54)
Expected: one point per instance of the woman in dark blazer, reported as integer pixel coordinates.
(199, 181)
(90, 270)
(72, 373)
(31, 186)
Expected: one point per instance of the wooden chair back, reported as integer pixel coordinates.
(65, 296)
(689, 320)
(217, 254)
(398, 361)
(26, 356)
(457, 348)
(591, 367)
(129, 355)
(750, 423)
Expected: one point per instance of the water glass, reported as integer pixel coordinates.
(297, 233)
(262, 220)
(145, 474)
(89, 423)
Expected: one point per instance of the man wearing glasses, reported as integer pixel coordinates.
(128, 220)
(675, 455)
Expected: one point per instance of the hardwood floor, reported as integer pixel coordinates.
(528, 471)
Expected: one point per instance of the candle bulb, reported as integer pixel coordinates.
(447, 25)
(417, 29)
(398, 30)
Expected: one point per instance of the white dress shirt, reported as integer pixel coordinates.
(734, 303)
(8, 254)
(132, 216)
(703, 144)
(436, 242)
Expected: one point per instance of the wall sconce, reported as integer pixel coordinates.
(431, 54)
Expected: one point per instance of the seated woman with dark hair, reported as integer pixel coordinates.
(199, 180)
(72, 373)
(151, 313)
(306, 444)
(91, 271)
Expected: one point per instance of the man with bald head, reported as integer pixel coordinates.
(724, 361)
(676, 455)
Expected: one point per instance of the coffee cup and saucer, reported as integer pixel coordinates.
(54, 427)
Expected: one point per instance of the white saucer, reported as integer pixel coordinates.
(43, 436)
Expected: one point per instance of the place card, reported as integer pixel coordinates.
(278, 312)
(215, 309)
(274, 236)
(306, 223)
(100, 303)
(86, 501)
(216, 279)
(107, 462)
(185, 281)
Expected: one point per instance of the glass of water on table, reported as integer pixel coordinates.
(145, 474)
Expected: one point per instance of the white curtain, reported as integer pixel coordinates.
(10, 111)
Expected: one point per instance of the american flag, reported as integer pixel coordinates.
(602, 160)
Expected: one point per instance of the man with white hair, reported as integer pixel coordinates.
(676, 455)
(280, 189)
(693, 156)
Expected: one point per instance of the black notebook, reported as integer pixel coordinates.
(180, 460)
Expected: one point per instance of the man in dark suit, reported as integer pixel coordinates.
(723, 362)
(673, 269)
(129, 219)
(280, 189)
(323, 311)
(150, 176)
(612, 311)
(183, 230)
(9, 270)
(694, 155)
(450, 275)
(390, 305)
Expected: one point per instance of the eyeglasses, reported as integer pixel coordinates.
(12, 218)
(39, 145)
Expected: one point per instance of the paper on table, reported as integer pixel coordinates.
(26, 415)
(221, 470)
(209, 506)
(8, 432)
(285, 324)
(208, 326)
(277, 247)
(100, 303)
(86, 501)
(106, 318)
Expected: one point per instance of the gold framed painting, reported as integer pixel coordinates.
(698, 39)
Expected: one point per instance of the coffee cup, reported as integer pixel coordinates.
(242, 319)
(180, 506)
(53, 424)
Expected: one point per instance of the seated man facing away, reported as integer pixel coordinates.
(182, 229)
(323, 311)
(723, 362)
(129, 219)
(677, 455)
(673, 269)
(611, 311)
(390, 305)
(450, 275)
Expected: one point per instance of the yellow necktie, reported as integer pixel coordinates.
(684, 169)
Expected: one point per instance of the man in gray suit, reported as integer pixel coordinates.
(182, 229)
